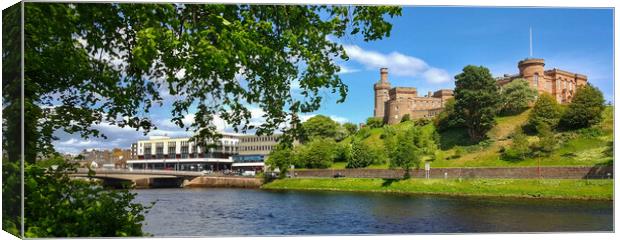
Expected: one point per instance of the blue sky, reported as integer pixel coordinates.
(428, 46)
(449, 38)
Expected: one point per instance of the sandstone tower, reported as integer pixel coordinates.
(381, 94)
(559, 83)
(533, 70)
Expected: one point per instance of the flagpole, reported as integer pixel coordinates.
(531, 52)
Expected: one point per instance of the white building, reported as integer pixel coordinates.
(160, 152)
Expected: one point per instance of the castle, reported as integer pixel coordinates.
(559, 83)
(391, 104)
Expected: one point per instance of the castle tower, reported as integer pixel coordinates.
(381, 94)
(533, 70)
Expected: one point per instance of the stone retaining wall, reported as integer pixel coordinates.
(230, 182)
(496, 172)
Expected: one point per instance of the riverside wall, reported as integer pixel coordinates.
(225, 182)
(596, 172)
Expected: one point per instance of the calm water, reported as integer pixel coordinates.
(234, 212)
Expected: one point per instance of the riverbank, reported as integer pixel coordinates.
(520, 188)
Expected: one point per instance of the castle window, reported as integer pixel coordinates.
(536, 80)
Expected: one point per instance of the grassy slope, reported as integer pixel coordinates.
(579, 151)
(528, 188)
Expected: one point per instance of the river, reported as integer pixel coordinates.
(248, 212)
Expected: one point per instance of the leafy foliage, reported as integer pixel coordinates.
(476, 100)
(320, 126)
(448, 118)
(361, 155)
(317, 153)
(90, 64)
(585, 110)
(120, 60)
(546, 111)
(405, 118)
(281, 157)
(60, 206)
(351, 128)
(373, 122)
(407, 149)
(546, 141)
(519, 148)
(516, 96)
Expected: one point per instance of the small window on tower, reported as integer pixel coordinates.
(536, 79)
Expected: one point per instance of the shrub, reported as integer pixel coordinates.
(422, 121)
(351, 128)
(374, 122)
(546, 110)
(342, 152)
(458, 152)
(546, 141)
(519, 148)
(585, 110)
(405, 118)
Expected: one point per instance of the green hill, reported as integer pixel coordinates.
(585, 147)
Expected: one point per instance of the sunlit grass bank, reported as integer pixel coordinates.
(525, 188)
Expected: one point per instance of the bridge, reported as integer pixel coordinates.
(140, 178)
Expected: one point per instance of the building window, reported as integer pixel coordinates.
(536, 80)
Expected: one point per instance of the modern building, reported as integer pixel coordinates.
(253, 151)
(134, 151)
(559, 83)
(181, 154)
(392, 104)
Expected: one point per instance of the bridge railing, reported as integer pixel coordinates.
(141, 171)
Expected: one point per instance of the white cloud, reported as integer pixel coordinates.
(345, 70)
(399, 64)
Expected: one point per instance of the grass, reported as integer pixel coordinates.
(519, 188)
(581, 150)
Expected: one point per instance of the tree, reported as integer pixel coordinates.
(119, 59)
(361, 155)
(58, 205)
(585, 110)
(546, 140)
(546, 111)
(405, 118)
(320, 126)
(516, 96)
(476, 100)
(318, 153)
(448, 118)
(281, 157)
(411, 147)
(519, 148)
(350, 127)
(342, 152)
(91, 64)
(374, 122)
